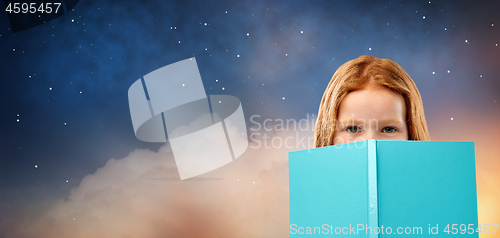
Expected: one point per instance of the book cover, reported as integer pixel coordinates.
(379, 188)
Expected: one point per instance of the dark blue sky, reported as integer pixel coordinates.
(68, 79)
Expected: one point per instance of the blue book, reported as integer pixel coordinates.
(378, 188)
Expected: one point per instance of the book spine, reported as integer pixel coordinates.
(372, 187)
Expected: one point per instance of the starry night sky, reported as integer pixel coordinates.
(64, 110)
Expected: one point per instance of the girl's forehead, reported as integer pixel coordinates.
(378, 102)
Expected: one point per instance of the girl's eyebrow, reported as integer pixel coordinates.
(348, 121)
(396, 121)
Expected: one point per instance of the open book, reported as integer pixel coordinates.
(370, 188)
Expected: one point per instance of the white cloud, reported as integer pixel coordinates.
(141, 195)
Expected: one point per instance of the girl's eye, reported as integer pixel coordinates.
(353, 129)
(388, 130)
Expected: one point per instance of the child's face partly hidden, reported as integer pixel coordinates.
(374, 112)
